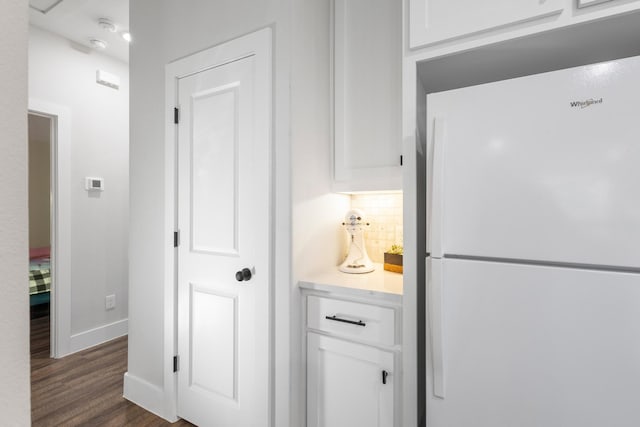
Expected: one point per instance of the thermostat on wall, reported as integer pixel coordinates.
(94, 184)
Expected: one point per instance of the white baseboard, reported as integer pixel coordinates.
(146, 395)
(98, 335)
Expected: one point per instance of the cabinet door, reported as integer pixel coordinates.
(345, 386)
(585, 3)
(433, 21)
(367, 80)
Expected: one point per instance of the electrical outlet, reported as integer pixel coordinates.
(110, 302)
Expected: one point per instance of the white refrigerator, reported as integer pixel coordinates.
(533, 264)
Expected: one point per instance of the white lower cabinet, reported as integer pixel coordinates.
(353, 368)
(348, 384)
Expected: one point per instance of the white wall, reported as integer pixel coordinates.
(383, 212)
(14, 302)
(63, 73)
(317, 213)
(39, 181)
(164, 31)
(318, 240)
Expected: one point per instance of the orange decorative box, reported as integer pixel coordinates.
(393, 262)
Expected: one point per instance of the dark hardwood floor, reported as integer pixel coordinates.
(83, 389)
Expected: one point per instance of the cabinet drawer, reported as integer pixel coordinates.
(354, 320)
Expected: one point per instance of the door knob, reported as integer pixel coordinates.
(243, 275)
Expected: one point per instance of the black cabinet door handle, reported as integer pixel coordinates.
(351, 322)
(385, 374)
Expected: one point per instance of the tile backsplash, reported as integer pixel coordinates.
(384, 213)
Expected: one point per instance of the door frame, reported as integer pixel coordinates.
(60, 294)
(256, 43)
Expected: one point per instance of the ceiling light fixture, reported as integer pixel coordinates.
(127, 36)
(98, 44)
(107, 25)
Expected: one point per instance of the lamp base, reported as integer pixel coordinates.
(347, 267)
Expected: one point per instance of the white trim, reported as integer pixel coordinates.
(169, 398)
(285, 297)
(146, 395)
(61, 224)
(98, 335)
(411, 146)
(256, 43)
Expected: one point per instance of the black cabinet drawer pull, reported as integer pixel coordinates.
(384, 377)
(352, 322)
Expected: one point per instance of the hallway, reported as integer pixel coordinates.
(83, 389)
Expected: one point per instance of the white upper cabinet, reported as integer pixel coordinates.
(367, 76)
(585, 3)
(433, 21)
(442, 27)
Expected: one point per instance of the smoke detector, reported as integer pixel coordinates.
(107, 25)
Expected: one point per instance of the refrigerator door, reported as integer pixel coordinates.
(542, 168)
(532, 346)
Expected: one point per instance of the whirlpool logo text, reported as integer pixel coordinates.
(586, 103)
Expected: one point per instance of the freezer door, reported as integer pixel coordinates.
(544, 167)
(512, 345)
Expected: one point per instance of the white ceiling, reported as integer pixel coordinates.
(77, 20)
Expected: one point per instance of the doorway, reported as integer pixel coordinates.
(222, 247)
(49, 223)
(40, 133)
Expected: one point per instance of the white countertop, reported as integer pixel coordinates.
(378, 281)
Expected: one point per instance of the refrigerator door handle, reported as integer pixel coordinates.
(437, 184)
(436, 315)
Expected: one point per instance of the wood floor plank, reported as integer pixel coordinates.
(83, 389)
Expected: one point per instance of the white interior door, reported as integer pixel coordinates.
(224, 222)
